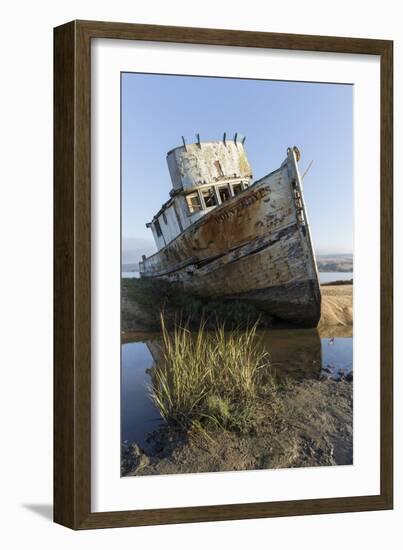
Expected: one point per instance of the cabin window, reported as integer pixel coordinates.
(217, 164)
(157, 228)
(224, 193)
(164, 217)
(237, 188)
(209, 197)
(194, 203)
(245, 184)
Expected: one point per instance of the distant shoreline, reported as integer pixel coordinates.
(326, 263)
(337, 283)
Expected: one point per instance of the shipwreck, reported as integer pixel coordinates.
(221, 234)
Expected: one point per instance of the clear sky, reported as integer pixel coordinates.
(273, 115)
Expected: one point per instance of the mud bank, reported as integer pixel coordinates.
(337, 306)
(143, 300)
(312, 425)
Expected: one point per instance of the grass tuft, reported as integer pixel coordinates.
(209, 378)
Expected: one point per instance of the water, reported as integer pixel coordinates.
(130, 274)
(324, 277)
(330, 276)
(138, 414)
(337, 356)
(299, 354)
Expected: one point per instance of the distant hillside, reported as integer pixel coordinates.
(335, 262)
(130, 267)
(132, 251)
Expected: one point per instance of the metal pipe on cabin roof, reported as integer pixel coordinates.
(235, 137)
(225, 138)
(243, 140)
(184, 143)
(198, 140)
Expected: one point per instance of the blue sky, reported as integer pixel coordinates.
(158, 109)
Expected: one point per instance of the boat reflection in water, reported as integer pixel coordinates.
(293, 353)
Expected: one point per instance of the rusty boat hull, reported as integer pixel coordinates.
(255, 247)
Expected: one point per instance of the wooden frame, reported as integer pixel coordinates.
(72, 320)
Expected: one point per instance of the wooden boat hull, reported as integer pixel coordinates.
(254, 247)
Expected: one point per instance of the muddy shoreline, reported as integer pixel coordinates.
(142, 302)
(337, 306)
(310, 424)
(313, 427)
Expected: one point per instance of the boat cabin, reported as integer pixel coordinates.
(204, 175)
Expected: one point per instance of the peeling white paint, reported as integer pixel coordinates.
(194, 170)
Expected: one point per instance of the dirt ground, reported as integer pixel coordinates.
(312, 427)
(337, 306)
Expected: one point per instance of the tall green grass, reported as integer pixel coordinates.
(209, 377)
